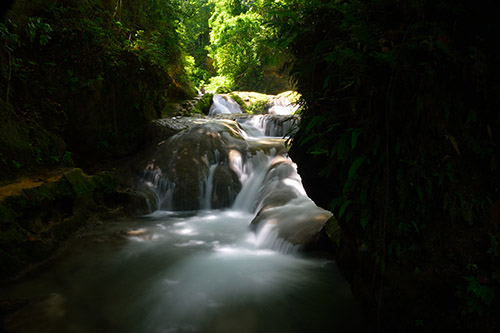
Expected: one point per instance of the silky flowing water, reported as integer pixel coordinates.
(194, 271)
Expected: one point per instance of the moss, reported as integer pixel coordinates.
(35, 220)
(291, 95)
(80, 183)
(240, 101)
(333, 230)
(258, 107)
(251, 102)
(203, 104)
(105, 189)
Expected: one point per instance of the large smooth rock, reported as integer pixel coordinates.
(285, 212)
(298, 222)
(191, 170)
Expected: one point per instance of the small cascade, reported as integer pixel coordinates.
(281, 106)
(214, 256)
(223, 104)
(269, 125)
(268, 238)
(254, 172)
(237, 164)
(208, 184)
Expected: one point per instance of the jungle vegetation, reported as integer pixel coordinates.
(398, 137)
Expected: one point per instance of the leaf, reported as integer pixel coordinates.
(334, 203)
(341, 148)
(355, 166)
(453, 143)
(354, 137)
(343, 208)
(364, 221)
(316, 120)
(415, 225)
(319, 151)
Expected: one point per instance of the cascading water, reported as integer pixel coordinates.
(223, 105)
(193, 265)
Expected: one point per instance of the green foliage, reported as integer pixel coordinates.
(397, 130)
(235, 46)
(203, 105)
(36, 27)
(196, 38)
(476, 295)
(243, 46)
(92, 73)
(257, 107)
(220, 84)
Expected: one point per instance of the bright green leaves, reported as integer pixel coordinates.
(237, 38)
(244, 45)
(196, 38)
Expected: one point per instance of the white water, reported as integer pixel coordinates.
(200, 271)
(282, 107)
(268, 125)
(175, 273)
(224, 105)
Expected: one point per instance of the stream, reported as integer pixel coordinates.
(221, 250)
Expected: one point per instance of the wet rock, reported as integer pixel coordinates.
(285, 209)
(226, 187)
(178, 168)
(36, 219)
(298, 222)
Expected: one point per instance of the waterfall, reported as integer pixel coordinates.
(281, 106)
(218, 252)
(242, 165)
(223, 104)
(268, 125)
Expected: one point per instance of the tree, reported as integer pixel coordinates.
(235, 46)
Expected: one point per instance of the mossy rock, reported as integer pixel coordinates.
(80, 183)
(35, 221)
(203, 104)
(251, 102)
(333, 231)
